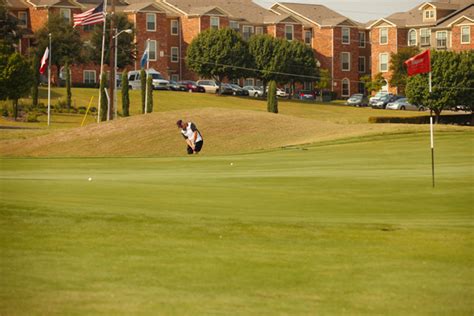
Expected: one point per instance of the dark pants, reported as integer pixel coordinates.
(197, 148)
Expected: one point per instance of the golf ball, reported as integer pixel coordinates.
(90, 179)
(231, 163)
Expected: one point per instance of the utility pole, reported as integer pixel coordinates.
(112, 49)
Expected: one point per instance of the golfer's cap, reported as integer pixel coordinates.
(179, 123)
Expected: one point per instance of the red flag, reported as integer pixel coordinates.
(44, 61)
(419, 64)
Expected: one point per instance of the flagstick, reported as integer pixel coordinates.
(147, 71)
(102, 59)
(431, 134)
(49, 81)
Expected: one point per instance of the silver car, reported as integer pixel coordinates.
(254, 91)
(403, 104)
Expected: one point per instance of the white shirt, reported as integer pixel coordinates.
(189, 131)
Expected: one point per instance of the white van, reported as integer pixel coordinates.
(159, 83)
(209, 85)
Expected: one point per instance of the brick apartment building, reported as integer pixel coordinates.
(346, 48)
(441, 25)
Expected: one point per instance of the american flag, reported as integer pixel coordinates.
(92, 16)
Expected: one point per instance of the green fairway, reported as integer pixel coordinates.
(349, 227)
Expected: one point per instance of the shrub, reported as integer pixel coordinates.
(32, 117)
(272, 102)
(143, 87)
(149, 106)
(461, 119)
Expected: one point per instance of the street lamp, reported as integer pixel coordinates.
(115, 37)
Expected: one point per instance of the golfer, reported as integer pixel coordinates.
(192, 136)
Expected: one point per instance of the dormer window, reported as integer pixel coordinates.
(429, 14)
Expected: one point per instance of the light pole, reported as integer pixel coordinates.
(115, 37)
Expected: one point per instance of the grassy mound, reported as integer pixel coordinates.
(224, 131)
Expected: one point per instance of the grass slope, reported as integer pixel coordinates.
(350, 228)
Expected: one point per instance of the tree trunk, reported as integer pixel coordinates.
(264, 82)
(438, 114)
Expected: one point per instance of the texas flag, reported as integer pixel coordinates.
(44, 61)
(419, 64)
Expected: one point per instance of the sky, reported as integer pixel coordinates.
(358, 10)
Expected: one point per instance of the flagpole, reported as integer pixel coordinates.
(102, 59)
(431, 129)
(49, 81)
(147, 67)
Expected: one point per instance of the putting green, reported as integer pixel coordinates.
(340, 228)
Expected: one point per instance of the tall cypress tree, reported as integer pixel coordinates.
(143, 87)
(149, 106)
(272, 101)
(125, 95)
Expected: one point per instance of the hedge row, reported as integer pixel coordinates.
(458, 119)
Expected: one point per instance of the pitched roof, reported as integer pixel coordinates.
(449, 20)
(50, 3)
(313, 13)
(237, 9)
(16, 4)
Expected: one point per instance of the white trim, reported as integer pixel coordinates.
(429, 42)
(154, 23)
(446, 39)
(364, 41)
(216, 18)
(342, 35)
(177, 27)
(348, 87)
(84, 76)
(460, 34)
(156, 50)
(257, 28)
(348, 61)
(61, 10)
(310, 31)
(292, 32)
(381, 20)
(416, 37)
(177, 54)
(461, 17)
(380, 35)
(380, 62)
(365, 65)
(293, 12)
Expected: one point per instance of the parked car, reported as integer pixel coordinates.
(306, 95)
(464, 108)
(209, 85)
(237, 90)
(281, 93)
(254, 91)
(158, 82)
(226, 89)
(191, 86)
(358, 99)
(403, 104)
(382, 101)
(175, 86)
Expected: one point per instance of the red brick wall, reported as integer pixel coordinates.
(353, 49)
(190, 29)
(278, 31)
(38, 18)
(390, 47)
(456, 39)
(322, 46)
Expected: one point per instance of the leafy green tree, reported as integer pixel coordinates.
(126, 48)
(219, 54)
(149, 99)
(67, 69)
(16, 78)
(10, 33)
(324, 79)
(36, 79)
(66, 44)
(103, 97)
(125, 95)
(452, 82)
(272, 101)
(301, 64)
(143, 87)
(397, 66)
(373, 84)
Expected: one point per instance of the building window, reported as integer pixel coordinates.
(346, 87)
(412, 38)
(151, 22)
(152, 50)
(214, 22)
(234, 25)
(346, 61)
(22, 19)
(441, 39)
(174, 27)
(429, 15)
(308, 37)
(383, 36)
(383, 62)
(362, 39)
(425, 37)
(465, 35)
(289, 32)
(174, 77)
(362, 64)
(66, 14)
(361, 87)
(346, 35)
(259, 30)
(89, 76)
(174, 54)
(249, 82)
(247, 32)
